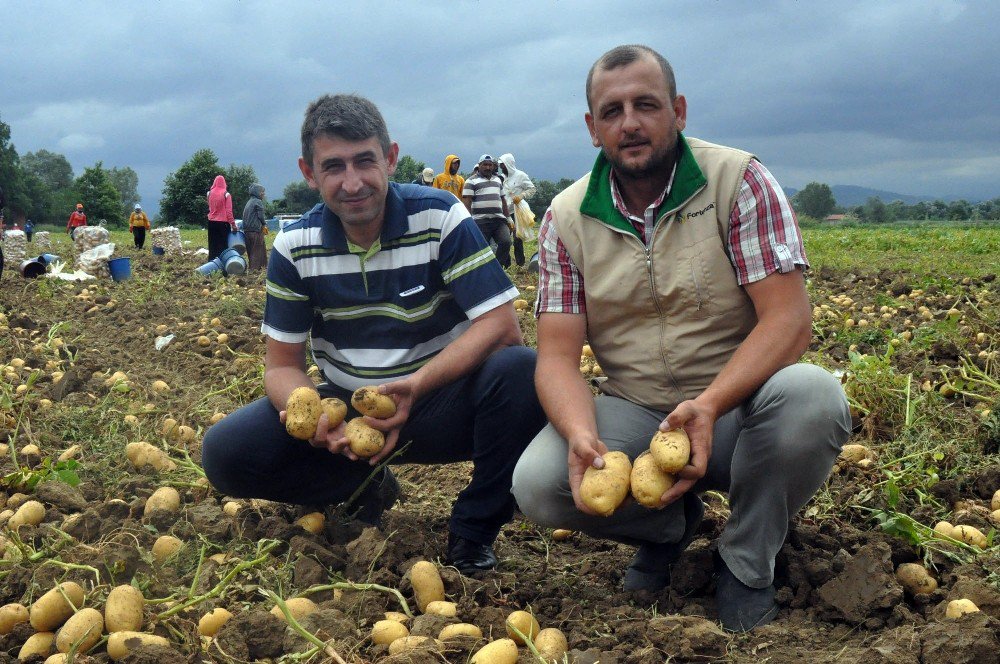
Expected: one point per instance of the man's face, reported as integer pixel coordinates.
(633, 119)
(454, 166)
(352, 177)
(503, 169)
(486, 168)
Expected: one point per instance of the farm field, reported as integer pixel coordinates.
(908, 317)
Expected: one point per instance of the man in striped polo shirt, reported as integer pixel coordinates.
(483, 195)
(391, 285)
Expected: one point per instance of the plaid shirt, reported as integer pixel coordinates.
(763, 238)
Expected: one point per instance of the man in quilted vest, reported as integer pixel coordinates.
(680, 262)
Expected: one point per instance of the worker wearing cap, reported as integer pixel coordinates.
(138, 224)
(483, 196)
(425, 178)
(76, 220)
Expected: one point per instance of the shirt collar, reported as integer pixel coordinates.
(395, 222)
(619, 200)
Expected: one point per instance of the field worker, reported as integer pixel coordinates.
(29, 229)
(76, 219)
(391, 284)
(516, 187)
(138, 224)
(483, 195)
(680, 262)
(254, 223)
(220, 217)
(425, 178)
(450, 180)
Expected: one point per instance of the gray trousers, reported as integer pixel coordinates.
(771, 454)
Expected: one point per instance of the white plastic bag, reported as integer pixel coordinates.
(95, 261)
(524, 221)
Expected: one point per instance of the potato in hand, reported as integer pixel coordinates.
(604, 489)
(302, 413)
(671, 449)
(364, 440)
(368, 401)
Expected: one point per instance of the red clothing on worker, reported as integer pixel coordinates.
(76, 219)
(220, 203)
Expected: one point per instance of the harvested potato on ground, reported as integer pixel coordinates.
(959, 607)
(165, 498)
(561, 534)
(121, 644)
(30, 513)
(855, 454)
(604, 489)
(51, 609)
(915, 579)
(586, 351)
(648, 482)
(165, 546)
(385, 632)
(408, 643)
(85, 627)
(123, 609)
(368, 401)
(398, 616)
(944, 528)
(212, 622)
(312, 522)
(442, 608)
(551, 644)
(10, 615)
(995, 502)
(302, 412)
(39, 643)
(970, 535)
(501, 651)
(459, 630)
(671, 450)
(335, 409)
(363, 440)
(427, 584)
(523, 622)
(142, 454)
(299, 607)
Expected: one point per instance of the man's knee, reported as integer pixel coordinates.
(537, 494)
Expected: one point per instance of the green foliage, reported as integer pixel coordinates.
(184, 190)
(239, 177)
(545, 191)
(299, 197)
(52, 168)
(100, 197)
(407, 169)
(126, 182)
(26, 479)
(48, 179)
(815, 199)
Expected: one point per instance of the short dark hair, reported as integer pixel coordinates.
(621, 56)
(346, 116)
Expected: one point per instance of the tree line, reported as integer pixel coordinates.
(816, 200)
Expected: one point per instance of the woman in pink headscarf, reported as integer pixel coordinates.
(220, 217)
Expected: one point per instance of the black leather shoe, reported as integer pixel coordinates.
(468, 556)
(741, 608)
(377, 498)
(650, 568)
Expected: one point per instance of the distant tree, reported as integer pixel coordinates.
(815, 200)
(51, 168)
(127, 182)
(897, 210)
(184, 190)
(239, 177)
(959, 210)
(874, 211)
(299, 197)
(100, 197)
(407, 169)
(545, 191)
(11, 175)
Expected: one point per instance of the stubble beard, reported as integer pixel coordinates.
(659, 163)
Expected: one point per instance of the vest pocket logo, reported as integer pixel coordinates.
(698, 213)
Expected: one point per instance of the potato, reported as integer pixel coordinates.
(231, 508)
(216, 418)
(398, 616)
(165, 498)
(995, 502)
(142, 454)
(364, 440)
(551, 644)
(959, 607)
(39, 643)
(995, 517)
(299, 607)
(521, 304)
(302, 413)
(51, 609)
(385, 632)
(523, 622)
(312, 522)
(121, 644)
(30, 513)
(58, 658)
(160, 386)
(648, 482)
(561, 534)
(442, 608)
(915, 579)
(368, 401)
(855, 454)
(970, 535)
(461, 629)
(671, 450)
(165, 546)
(212, 622)
(604, 489)
(71, 452)
(586, 351)
(944, 528)
(85, 627)
(408, 643)
(31, 450)
(123, 610)
(427, 584)
(501, 651)
(10, 615)
(335, 409)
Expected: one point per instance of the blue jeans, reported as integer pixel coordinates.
(487, 417)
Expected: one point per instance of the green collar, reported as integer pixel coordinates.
(598, 202)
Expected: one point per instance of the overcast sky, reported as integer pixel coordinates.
(897, 95)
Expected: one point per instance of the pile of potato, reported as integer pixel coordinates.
(304, 408)
(653, 473)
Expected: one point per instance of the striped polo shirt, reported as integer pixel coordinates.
(379, 315)
(485, 194)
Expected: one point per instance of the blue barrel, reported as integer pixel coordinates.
(232, 262)
(237, 241)
(48, 259)
(208, 268)
(32, 268)
(159, 251)
(120, 268)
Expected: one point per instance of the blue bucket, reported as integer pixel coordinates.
(48, 259)
(232, 261)
(237, 241)
(120, 268)
(159, 251)
(208, 268)
(32, 268)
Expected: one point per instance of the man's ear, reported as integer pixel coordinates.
(594, 138)
(392, 157)
(681, 111)
(307, 173)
